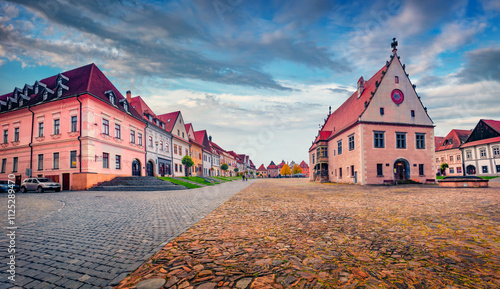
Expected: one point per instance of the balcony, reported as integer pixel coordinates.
(322, 159)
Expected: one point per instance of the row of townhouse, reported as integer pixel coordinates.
(473, 152)
(78, 129)
(273, 170)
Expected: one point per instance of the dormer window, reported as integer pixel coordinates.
(168, 120)
(396, 79)
(150, 117)
(125, 106)
(45, 95)
(111, 97)
(59, 92)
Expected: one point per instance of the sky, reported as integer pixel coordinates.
(259, 76)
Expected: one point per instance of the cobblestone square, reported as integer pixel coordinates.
(296, 234)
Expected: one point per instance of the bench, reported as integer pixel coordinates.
(388, 182)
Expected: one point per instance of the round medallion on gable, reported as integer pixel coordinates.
(397, 96)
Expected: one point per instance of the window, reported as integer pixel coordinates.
(72, 161)
(442, 159)
(16, 134)
(401, 140)
(437, 160)
(112, 98)
(485, 169)
(324, 152)
(378, 137)
(105, 160)
(161, 145)
(132, 136)
(105, 126)
(459, 170)
(14, 164)
(178, 133)
(118, 160)
(74, 122)
(352, 171)
(468, 154)
(55, 161)
(176, 169)
(496, 152)
(339, 147)
(4, 165)
(420, 139)
(180, 150)
(380, 172)
(186, 151)
(382, 111)
(139, 138)
(175, 150)
(498, 168)
(421, 169)
(412, 113)
(451, 158)
(482, 152)
(40, 129)
(182, 135)
(118, 131)
(150, 140)
(57, 126)
(40, 162)
(452, 170)
(351, 142)
(396, 79)
(340, 173)
(6, 136)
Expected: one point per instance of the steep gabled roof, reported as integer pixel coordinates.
(303, 164)
(169, 119)
(141, 107)
(262, 168)
(486, 131)
(438, 140)
(494, 124)
(453, 140)
(216, 147)
(85, 79)
(350, 111)
(272, 166)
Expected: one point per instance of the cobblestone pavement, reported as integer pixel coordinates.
(94, 239)
(295, 234)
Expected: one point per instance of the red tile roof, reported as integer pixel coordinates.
(169, 119)
(272, 166)
(494, 124)
(262, 168)
(437, 141)
(350, 111)
(141, 107)
(481, 142)
(85, 79)
(453, 140)
(303, 164)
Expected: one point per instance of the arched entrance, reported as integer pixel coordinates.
(136, 167)
(401, 170)
(150, 169)
(471, 170)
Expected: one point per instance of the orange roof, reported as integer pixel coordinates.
(453, 140)
(272, 166)
(437, 141)
(481, 142)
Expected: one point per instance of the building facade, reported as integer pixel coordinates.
(158, 141)
(272, 170)
(72, 128)
(174, 124)
(448, 152)
(481, 150)
(381, 133)
(305, 168)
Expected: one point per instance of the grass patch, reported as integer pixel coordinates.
(489, 178)
(198, 180)
(178, 182)
(440, 177)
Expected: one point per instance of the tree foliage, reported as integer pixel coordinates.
(224, 167)
(236, 169)
(188, 162)
(296, 169)
(285, 170)
(443, 167)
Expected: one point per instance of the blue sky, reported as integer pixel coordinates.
(260, 75)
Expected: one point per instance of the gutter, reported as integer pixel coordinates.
(30, 144)
(80, 135)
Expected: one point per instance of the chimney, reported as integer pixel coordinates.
(361, 86)
(210, 138)
(129, 96)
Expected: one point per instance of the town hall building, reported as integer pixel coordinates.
(381, 133)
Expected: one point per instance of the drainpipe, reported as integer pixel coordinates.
(80, 135)
(463, 163)
(146, 149)
(30, 144)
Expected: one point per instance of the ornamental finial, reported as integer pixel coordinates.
(394, 44)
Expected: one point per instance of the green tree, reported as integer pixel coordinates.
(443, 167)
(285, 170)
(188, 162)
(224, 167)
(236, 170)
(296, 169)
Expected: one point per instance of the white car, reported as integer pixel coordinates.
(39, 185)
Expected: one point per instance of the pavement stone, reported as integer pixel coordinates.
(62, 237)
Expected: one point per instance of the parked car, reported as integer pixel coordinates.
(6, 185)
(40, 185)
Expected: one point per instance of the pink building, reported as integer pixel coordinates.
(272, 170)
(75, 128)
(448, 151)
(380, 133)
